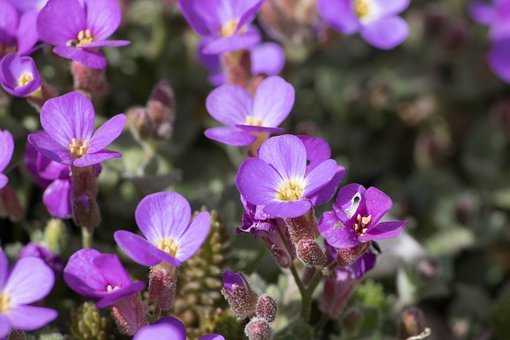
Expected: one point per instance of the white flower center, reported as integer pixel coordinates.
(253, 121)
(291, 190)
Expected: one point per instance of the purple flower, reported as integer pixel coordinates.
(164, 220)
(356, 218)
(100, 277)
(499, 58)
(77, 28)
(376, 20)
(6, 151)
(169, 328)
(17, 29)
(54, 178)
(69, 137)
(244, 116)
(224, 24)
(495, 15)
(29, 281)
(28, 5)
(19, 75)
(278, 179)
(39, 251)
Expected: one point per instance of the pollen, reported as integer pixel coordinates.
(78, 148)
(25, 78)
(361, 224)
(362, 8)
(83, 38)
(5, 303)
(253, 121)
(229, 28)
(291, 190)
(169, 246)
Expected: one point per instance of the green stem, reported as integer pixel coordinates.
(297, 279)
(87, 237)
(307, 297)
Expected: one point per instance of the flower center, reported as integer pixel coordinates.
(362, 8)
(24, 79)
(291, 190)
(78, 147)
(111, 288)
(361, 224)
(229, 28)
(83, 38)
(253, 121)
(169, 246)
(5, 302)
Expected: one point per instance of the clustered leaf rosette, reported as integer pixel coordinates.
(19, 75)
(497, 17)
(244, 116)
(6, 151)
(224, 25)
(278, 178)
(18, 31)
(78, 28)
(28, 282)
(169, 328)
(69, 137)
(170, 236)
(377, 21)
(357, 218)
(100, 277)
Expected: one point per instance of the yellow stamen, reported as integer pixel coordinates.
(5, 303)
(253, 121)
(229, 28)
(169, 246)
(361, 225)
(291, 190)
(78, 148)
(25, 78)
(362, 8)
(83, 38)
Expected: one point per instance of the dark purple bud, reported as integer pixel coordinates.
(162, 286)
(310, 253)
(240, 297)
(258, 329)
(266, 308)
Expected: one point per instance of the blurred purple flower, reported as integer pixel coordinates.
(169, 328)
(356, 218)
(6, 151)
(54, 178)
(245, 116)
(223, 24)
(18, 31)
(376, 20)
(170, 236)
(77, 28)
(499, 58)
(39, 251)
(278, 179)
(19, 75)
(100, 277)
(29, 281)
(69, 137)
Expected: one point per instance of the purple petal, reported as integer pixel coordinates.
(321, 175)
(82, 276)
(257, 181)
(166, 328)
(137, 248)
(260, 129)
(89, 58)
(364, 264)
(112, 270)
(3, 181)
(339, 14)
(6, 148)
(317, 150)
(49, 148)
(233, 43)
(230, 136)
(268, 59)
(212, 337)
(482, 12)
(28, 5)
(27, 32)
(4, 268)
(287, 209)
(273, 101)
(96, 158)
(201, 15)
(9, 21)
(193, 238)
(391, 7)
(247, 11)
(12, 68)
(327, 192)
(377, 203)
(349, 201)
(103, 17)
(286, 154)
(30, 281)
(336, 234)
(229, 104)
(233, 278)
(115, 296)
(384, 230)
(107, 133)
(29, 318)
(5, 327)
(386, 33)
(499, 59)
(163, 215)
(60, 21)
(57, 198)
(109, 43)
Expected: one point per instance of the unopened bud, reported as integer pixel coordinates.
(346, 257)
(266, 308)
(56, 235)
(161, 109)
(240, 297)
(86, 211)
(91, 81)
(310, 253)
(129, 314)
(162, 286)
(258, 329)
(412, 322)
(304, 227)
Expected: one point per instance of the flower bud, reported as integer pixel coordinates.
(266, 308)
(129, 314)
(91, 81)
(258, 329)
(310, 253)
(304, 227)
(412, 322)
(161, 109)
(55, 235)
(240, 297)
(162, 286)
(86, 211)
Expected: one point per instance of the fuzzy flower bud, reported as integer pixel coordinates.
(258, 329)
(310, 253)
(346, 257)
(84, 192)
(304, 227)
(240, 297)
(266, 308)
(129, 314)
(162, 286)
(91, 81)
